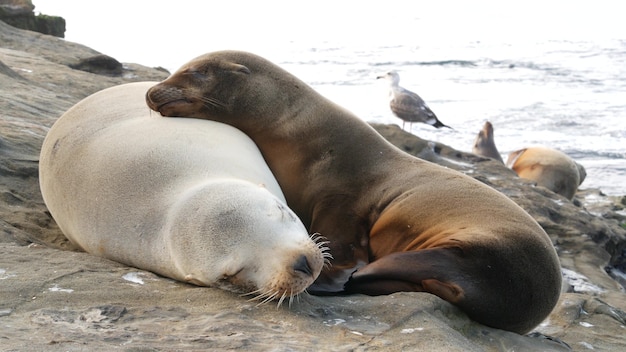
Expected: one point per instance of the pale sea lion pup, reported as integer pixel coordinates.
(548, 167)
(187, 199)
(485, 145)
(394, 222)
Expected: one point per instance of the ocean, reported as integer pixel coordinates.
(543, 73)
(563, 94)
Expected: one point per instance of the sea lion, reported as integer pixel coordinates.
(549, 168)
(484, 144)
(187, 199)
(394, 222)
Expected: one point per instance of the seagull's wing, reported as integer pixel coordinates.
(410, 107)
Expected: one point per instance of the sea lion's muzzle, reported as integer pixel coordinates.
(167, 100)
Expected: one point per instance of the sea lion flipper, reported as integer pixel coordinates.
(513, 156)
(447, 290)
(334, 278)
(332, 284)
(348, 243)
(426, 270)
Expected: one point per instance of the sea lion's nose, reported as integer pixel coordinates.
(302, 265)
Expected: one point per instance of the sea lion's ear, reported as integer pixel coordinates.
(233, 67)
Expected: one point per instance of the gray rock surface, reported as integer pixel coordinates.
(54, 298)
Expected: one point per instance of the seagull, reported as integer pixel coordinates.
(407, 105)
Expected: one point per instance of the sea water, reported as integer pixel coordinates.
(564, 94)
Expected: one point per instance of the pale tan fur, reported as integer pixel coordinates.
(548, 167)
(187, 199)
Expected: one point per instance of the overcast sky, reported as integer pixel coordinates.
(169, 33)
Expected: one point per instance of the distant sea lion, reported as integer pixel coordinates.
(548, 167)
(407, 105)
(394, 222)
(484, 144)
(187, 199)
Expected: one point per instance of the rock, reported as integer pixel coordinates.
(99, 64)
(19, 13)
(16, 7)
(55, 298)
(45, 86)
(6, 70)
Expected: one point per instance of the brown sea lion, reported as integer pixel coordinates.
(548, 167)
(484, 144)
(394, 222)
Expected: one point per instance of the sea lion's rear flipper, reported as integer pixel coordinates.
(429, 270)
(490, 286)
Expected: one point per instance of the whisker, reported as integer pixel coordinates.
(250, 293)
(261, 296)
(321, 243)
(316, 237)
(207, 101)
(212, 101)
(291, 298)
(270, 297)
(323, 247)
(282, 298)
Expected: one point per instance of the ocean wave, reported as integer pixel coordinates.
(594, 154)
(452, 62)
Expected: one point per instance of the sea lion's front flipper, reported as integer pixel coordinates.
(347, 240)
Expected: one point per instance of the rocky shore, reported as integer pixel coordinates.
(54, 298)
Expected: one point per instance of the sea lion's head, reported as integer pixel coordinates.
(238, 236)
(233, 87)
